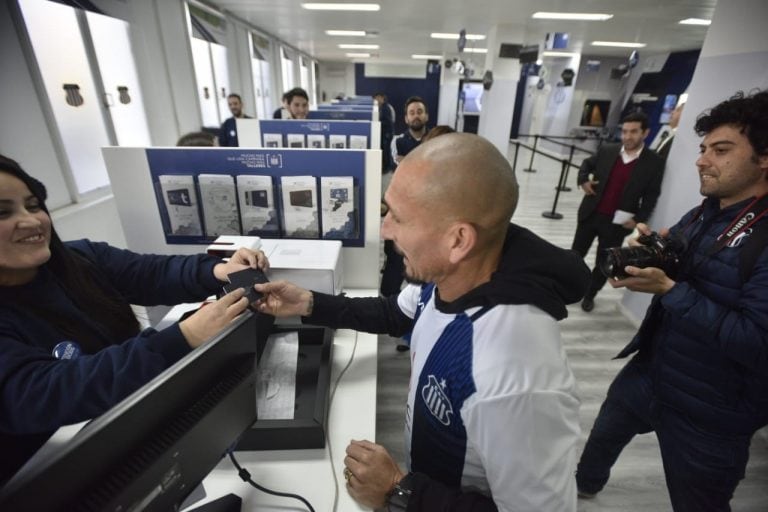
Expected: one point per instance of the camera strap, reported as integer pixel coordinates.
(743, 221)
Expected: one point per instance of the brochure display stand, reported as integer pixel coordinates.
(294, 133)
(177, 200)
(281, 185)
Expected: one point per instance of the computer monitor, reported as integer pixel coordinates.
(152, 449)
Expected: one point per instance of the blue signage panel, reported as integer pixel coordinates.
(206, 192)
(347, 114)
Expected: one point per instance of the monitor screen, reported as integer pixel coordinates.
(152, 449)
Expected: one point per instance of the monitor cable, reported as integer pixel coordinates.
(327, 438)
(246, 477)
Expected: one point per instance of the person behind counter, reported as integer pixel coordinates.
(72, 299)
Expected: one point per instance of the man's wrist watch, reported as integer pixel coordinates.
(398, 498)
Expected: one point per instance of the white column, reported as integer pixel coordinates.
(499, 103)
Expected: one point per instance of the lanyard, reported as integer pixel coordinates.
(743, 221)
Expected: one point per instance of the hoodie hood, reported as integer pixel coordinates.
(531, 271)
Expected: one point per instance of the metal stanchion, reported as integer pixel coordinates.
(563, 186)
(514, 161)
(533, 153)
(553, 214)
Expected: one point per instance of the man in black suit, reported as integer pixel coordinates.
(621, 184)
(674, 119)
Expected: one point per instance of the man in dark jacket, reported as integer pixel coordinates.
(699, 378)
(621, 184)
(492, 415)
(228, 131)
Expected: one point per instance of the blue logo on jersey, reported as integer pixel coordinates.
(436, 400)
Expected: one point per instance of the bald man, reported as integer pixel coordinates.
(492, 415)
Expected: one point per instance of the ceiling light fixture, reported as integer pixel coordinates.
(359, 55)
(695, 21)
(581, 16)
(549, 53)
(444, 35)
(618, 44)
(476, 50)
(359, 46)
(345, 33)
(341, 7)
(425, 56)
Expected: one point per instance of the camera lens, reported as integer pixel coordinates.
(611, 263)
(616, 258)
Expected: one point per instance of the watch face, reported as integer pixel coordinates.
(398, 499)
(398, 502)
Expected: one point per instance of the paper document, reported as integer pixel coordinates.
(620, 217)
(276, 377)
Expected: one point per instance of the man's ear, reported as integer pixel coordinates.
(762, 161)
(463, 238)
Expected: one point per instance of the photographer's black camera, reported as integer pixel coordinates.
(655, 251)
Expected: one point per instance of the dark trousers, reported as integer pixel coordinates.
(702, 468)
(394, 269)
(608, 235)
(386, 154)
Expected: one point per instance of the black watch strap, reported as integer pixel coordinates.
(397, 501)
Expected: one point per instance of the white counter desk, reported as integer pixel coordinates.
(309, 473)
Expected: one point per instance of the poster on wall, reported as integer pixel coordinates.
(300, 212)
(180, 200)
(258, 211)
(595, 113)
(273, 140)
(316, 141)
(670, 102)
(337, 141)
(339, 215)
(217, 195)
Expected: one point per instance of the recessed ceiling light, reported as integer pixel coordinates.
(549, 53)
(695, 21)
(425, 56)
(476, 50)
(444, 35)
(341, 7)
(345, 32)
(359, 46)
(359, 55)
(582, 16)
(618, 44)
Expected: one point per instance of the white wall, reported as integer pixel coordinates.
(24, 132)
(336, 78)
(97, 220)
(555, 117)
(449, 97)
(498, 104)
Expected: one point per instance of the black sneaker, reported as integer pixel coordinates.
(588, 304)
(402, 347)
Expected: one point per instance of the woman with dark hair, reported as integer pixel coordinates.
(70, 345)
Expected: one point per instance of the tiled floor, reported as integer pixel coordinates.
(591, 339)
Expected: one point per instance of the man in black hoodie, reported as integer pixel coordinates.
(492, 415)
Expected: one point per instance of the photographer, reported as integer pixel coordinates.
(699, 377)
